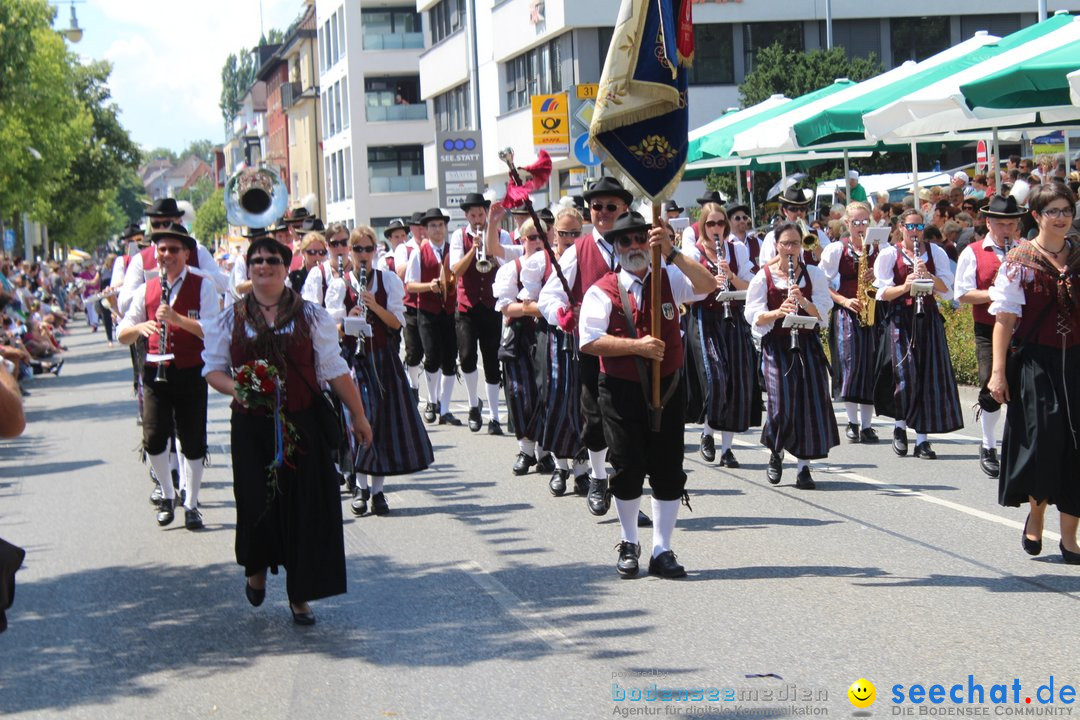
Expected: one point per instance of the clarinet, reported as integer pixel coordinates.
(362, 289)
(163, 331)
(919, 311)
(341, 266)
(721, 244)
(792, 286)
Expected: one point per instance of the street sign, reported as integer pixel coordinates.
(583, 153)
(9, 241)
(588, 91)
(580, 119)
(460, 166)
(980, 155)
(551, 123)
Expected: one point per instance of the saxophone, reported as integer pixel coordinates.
(867, 299)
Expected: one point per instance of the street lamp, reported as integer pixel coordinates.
(74, 33)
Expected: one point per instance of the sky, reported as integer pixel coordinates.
(167, 58)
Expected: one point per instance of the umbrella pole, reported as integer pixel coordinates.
(847, 169)
(997, 163)
(738, 183)
(915, 176)
(654, 310)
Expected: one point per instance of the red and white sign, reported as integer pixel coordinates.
(980, 155)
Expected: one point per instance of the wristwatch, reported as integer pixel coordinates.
(672, 255)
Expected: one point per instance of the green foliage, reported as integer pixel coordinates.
(18, 21)
(161, 153)
(210, 219)
(792, 72)
(130, 195)
(237, 75)
(198, 193)
(960, 334)
(202, 149)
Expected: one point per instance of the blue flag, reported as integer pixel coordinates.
(641, 122)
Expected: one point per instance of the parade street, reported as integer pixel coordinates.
(482, 596)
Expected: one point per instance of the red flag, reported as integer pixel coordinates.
(684, 38)
(539, 172)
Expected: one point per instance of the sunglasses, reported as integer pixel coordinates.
(263, 260)
(569, 233)
(533, 238)
(170, 249)
(637, 238)
(1054, 213)
(739, 218)
(914, 226)
(339, 243)
(715, 223)
(314, 252)
(598, 207)
(860, 223)
(363, 249)
(160, 223)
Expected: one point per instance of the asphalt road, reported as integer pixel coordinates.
(482, 596)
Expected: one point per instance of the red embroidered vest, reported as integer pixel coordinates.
(625, 367)
(474, 288)
(987, 262)
(776, 297)
(429, 270)
(187, 347)
(299, 372)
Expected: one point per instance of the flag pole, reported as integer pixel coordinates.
(654, 309)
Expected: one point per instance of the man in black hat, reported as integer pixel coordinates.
(976, 269)
(742, 231)
(170, 314)
(614, 326)
(591, 257)
(794, 205)
(428, 275)
(672, 210)
(478, 322)
(414, 350)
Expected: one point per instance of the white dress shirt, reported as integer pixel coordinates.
(413, 269)
(313, 291)
(742, 259)
(457, 246)
(885, 266)
(136, 275)
(966, 280)
(757, 296)
(208, 302)
(596, 307)
(395, 293)
(768, 245)
(552, 296)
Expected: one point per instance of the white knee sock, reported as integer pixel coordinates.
(527, 446)
(627, 511)
(866, 414)
(413, 371)
(562, 463)
(920, 438)
(193, 480)
(901, 424)
(541, 452)
(470, 387)
(989, 423)
(706, 430)
(362, 481)
(851, 410)
(726, 437)
(493, 402)
(163, 472)
(580, 469)
(432, 387)
(447, 391)
(665, 513)
(377, 484)
(598, 464)
(802, 463)
(182, 470)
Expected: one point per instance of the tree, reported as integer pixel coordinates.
(237, 75)
(198, 193)
(794, 73)
(203, 149)
(210, 218)
(130, 196)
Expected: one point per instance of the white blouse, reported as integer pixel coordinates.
(742, 258)
(1007, 293)
(395, 294)
(757, 296)
(324, 336)
(885, 267)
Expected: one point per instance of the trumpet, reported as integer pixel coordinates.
(483, 263)
(163, 331)
(792, 286)
(810, 239)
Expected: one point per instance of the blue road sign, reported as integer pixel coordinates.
(583, 152)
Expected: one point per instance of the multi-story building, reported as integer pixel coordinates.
(374, 121)
(484, 60)
(300, 99)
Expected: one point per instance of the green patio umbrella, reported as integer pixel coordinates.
(1038, 82)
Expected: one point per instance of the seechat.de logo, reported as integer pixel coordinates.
(862, 693)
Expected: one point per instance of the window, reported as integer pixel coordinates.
(1000, 25)
(341, 33)
(757, 36)
(446, 18)
(392, 29)
(398, 168)
(325, 112)
(536, 72)
(346, 171)
(337, 104)
(453, 109)
(714, 55)
(322, 43)
(325, 45)
(859, 38)
(918, 38)
(335, 48)
(394, 98)
(345, 103)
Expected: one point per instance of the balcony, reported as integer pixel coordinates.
(396, 184)
(293, 92)
(396, 113)
(394, 41)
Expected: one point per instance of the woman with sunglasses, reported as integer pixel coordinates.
(401, 445)
(799, 416)
(720, 357)
(316, 285)
(313, 254)
(294, 522)
(1035, 300)
(915, 382)
(853, 347)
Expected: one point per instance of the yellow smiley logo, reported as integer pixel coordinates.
(862, 693)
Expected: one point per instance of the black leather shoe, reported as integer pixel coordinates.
(304, 618)
(378, 504)
(193, 519)
(852, 432)
(708, 448)
(581, 485)
(988, 461)
(474, 419)
(155, 495)
(449, 419)
(598, 500)
(643, 519)
(255, 597)
(494, 427)
(776, 468)
(728, 459)
(359, 501)
(1031, 547)
(665, 565)
(557, 483)
(628, 558)
(431, 412)
(923, 450)
(1068, 556)
(546, 464)
(523, 463)
(899, 441)
(165, 511)
(868, 436)
(803, 481)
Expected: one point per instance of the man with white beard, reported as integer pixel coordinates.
(615, 317)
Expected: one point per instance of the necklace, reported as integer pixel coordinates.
(271, 306)
(1052, 253)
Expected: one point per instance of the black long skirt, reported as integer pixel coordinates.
(1039, 451)
(521, 377)
(853, 349)
(560, 432)
(800, 417)
(298, 527)
(401, 445)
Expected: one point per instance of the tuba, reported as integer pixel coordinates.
(255, 197)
